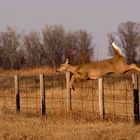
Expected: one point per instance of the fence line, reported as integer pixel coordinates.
(112, 96)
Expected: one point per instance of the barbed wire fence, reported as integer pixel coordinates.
(112, 97)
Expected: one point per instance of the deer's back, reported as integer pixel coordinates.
(103, 66)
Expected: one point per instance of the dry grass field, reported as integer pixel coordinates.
(64, 127)
(81, 123)
(30, 71)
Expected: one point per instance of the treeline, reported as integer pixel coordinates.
(53, 44)
(49, 47)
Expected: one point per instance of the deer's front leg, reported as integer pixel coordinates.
(72, 81)
(77, 76)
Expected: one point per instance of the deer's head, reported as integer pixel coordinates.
(63, 67)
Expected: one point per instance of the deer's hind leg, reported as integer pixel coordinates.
(133, 67)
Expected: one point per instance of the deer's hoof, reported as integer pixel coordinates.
(72, 87)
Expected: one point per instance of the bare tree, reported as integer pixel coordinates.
(9, 42)
(21, 59)
(79, 47)
(50, 47)
(85, 46)
(35, 55)
(53, 42)
(126, 38)
(70, 48)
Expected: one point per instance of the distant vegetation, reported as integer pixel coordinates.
(51, 45)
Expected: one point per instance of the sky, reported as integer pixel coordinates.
(97, 17)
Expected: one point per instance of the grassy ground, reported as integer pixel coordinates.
(16, 127)
(28, 72)
(63, 126)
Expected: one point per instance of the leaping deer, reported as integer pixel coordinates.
(98, 69)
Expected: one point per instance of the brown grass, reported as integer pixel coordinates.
(28, 72)
(59, 125)
(13, 127)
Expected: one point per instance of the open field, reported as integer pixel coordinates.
(64, 127)
(27, 72)
(82, 122)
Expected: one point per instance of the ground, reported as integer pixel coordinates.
(63, 126)
(22, 127)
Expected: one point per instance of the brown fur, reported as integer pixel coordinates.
(98, 69)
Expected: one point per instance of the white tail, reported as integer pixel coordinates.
(117, 48)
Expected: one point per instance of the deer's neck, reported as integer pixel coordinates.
(72, 68)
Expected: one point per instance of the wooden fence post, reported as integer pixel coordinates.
(68, 92)
(17, 93)
(101, 98)
(135, 97)
(42, 94)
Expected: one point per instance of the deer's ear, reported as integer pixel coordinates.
(67, 60)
